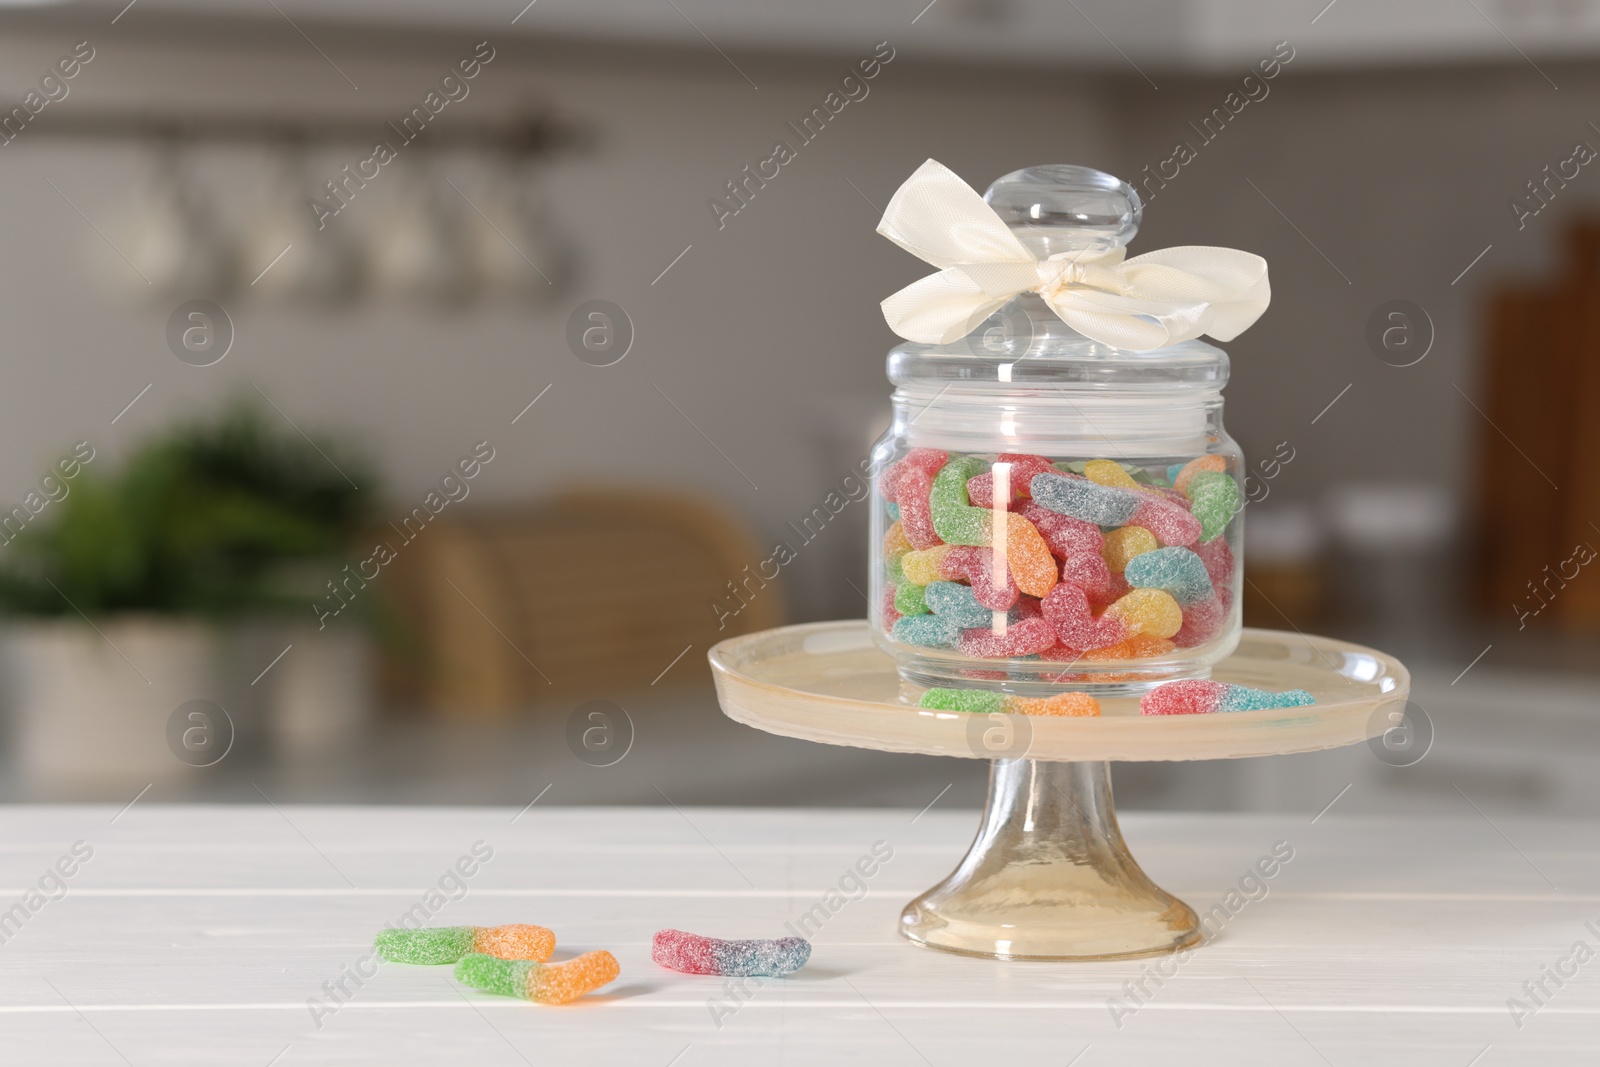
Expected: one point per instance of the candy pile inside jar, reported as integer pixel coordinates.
(1023, 557)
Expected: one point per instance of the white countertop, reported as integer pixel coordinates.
(199, 934)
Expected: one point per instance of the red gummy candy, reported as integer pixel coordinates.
(1192, 696)
(1172, 525)
(1064, 534)
(1201, 621)
(890, 615)
(916, 514)
(1067, 609)
(1026, 637)
(926, 459)
(976, 565)
(1023, 467)
(1218, 558)
(1088, 570)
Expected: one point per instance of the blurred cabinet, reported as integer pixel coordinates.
(1538, 491)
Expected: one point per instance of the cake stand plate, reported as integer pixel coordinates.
(1048, 875)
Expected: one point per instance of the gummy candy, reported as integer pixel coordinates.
(1214, 498)
(1123, 545)
(926, 459)
(1171, 523)
(916, 516)
(446, 944)
(894, 541)
(976, 565)
(1075, 705)
(954, 519)
(1197, 696)
(958, 603)
(926, 565)
(983, 702)
(929, 631)
(1025, 637)
(976, 701)
(1106, 472)
(1088, 571)
(1021, 468)
(546, 983)
(959, 523)
(1201, 621)
(1027, 556)
(1218, 558)
(1148, 611)
(1144, 566)
(890, 616)
(693, 954)
(1062, 533)
(1177, 570)
(1138, 646)
(1083, 499)
(909, 599)
(1067, 610)
(1186, 473)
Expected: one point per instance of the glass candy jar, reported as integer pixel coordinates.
(1053, 513)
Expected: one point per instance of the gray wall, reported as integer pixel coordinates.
(767, 333)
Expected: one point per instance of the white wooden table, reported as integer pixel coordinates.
(197, 935)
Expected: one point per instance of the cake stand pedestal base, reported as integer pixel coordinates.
(1049, 878)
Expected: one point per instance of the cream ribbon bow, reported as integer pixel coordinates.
(1148, 302)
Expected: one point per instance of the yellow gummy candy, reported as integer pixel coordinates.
(1152, 612)
(1122, 545)
(923, 566)
(1109, 472)
(895, 542)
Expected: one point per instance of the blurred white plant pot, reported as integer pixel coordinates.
(320, 701)
(85, 704)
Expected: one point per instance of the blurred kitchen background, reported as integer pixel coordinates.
(219, 398)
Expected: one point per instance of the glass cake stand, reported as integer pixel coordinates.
(1048, 876)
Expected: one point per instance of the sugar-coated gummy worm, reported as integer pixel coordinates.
(689, 953)
(957, 522)
(1082, 499)
(1214, 498)
(1177, 570)
(1197, 696)
(983, 702)
(929, 631)
(546, 983)
(1185, 474)
(1109, 472)
(447, 944)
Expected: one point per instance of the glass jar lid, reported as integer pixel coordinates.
(1059, 211)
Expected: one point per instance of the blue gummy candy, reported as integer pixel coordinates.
(1177, 570)
(1079, 498)
(894, 511)
(1243, 698)
(930, 631)
(957, 603)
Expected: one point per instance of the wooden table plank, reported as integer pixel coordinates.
(198, 935)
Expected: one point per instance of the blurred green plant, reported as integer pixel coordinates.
(221, 518)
